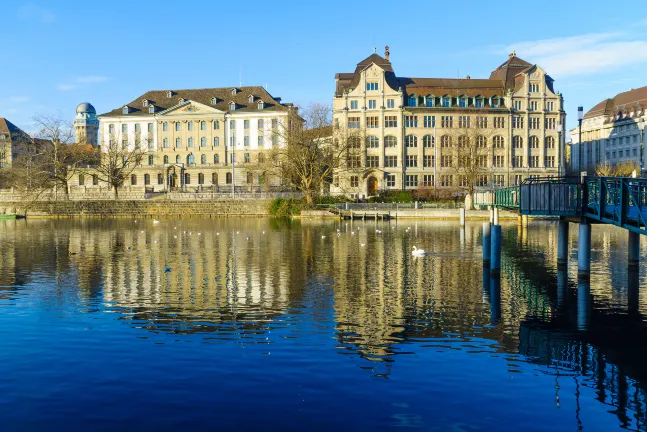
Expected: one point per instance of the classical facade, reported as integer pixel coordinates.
(411, 127)
(12, 142)
(86, 124)
(191, 137)
(613, 132)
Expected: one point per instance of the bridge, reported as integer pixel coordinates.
(619, 201)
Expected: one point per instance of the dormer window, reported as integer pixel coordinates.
(151, 109)
(260, 105)
(251, 99)
(182, 100)
(232, 106)
(169, 94)
(126, 109)
(446, 101)
(233, 92)
(462, 101)
(413, 100)
(478, 101)
(145, 102)
(430, 100)
(214, 101)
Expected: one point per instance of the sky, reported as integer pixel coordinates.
(57, 54)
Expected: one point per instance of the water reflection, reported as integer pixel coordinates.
(247, 280)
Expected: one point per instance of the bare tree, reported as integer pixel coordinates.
(118, 160)
(619, 169)
(306, 153)
(60, 155)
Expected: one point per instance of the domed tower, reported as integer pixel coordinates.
(86, 125)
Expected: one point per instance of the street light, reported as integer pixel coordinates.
(641, 128)
(580, 117)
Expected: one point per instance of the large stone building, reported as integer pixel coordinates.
(12, 141)
(191, 135)
(412, 126)
(613, 131)
(86, 125)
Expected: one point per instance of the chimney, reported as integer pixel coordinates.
(386, 52)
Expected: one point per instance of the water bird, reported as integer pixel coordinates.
(323, 236)
(155, 221)
(362, 244)
(217, 234)
(142, 231)
(418, 252)
(167, 269)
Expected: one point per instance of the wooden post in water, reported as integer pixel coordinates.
(584, 251)
(524, 221)
(583, 304)
(462, 218)
(495, 249)
(634, 249)
(491, 211)
(486, 244)
(562, 243)
(496, 216)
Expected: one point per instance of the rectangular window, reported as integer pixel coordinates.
(275, 123)
(498, 161)
(124, 144)
(411, 121)
(463, 121)
(534, 88)
(534, 161)
(499, 180)
(390, 161)
(517, 122)
(411, 181)
(428, 161)
(353, 162)
(549, 161)
(246, 124)
(372, 104)
(518, 179)
(390, 103)
(549, 106)
(447, 121)
(429, 121)
(390, 180)
(551, 123)
(481, 122)
(445, 180)
(390, 121)
(372, 122)
(534, 123)
(260, 141)
(216, 124)
(150, 127)
(499, 122)
(428, 180)
(518, 162)
(533, 105)
(517, 105)
(178, 126)
(412, 161)
(353, 104)
(354, 181)
(353, 122)
(246, 141)
(371, 86)
(445, 161)
(372, 161)
(124, 128)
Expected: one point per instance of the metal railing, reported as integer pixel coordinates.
(618, 201)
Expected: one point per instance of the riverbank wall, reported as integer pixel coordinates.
(429, 214)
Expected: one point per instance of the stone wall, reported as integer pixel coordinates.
(161, 208)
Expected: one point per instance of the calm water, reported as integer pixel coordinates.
(265, 325)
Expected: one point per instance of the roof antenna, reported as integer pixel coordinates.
(374, 46)
(240, 75)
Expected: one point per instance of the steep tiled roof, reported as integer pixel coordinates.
(223, 96)
(452, 86)
(621, 101)
(13, 131)
(509, 69)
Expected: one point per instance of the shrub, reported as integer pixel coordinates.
(280, 207)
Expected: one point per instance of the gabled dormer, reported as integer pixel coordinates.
(232, 106)
(125, 109)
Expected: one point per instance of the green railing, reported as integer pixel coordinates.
(503, 198)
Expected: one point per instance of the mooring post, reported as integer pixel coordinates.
(491, 211)
(519, 220)
(524, 221)
(495, 298)
(462, 217)
(495, 249)
(486, 244)
(634, 249)
(583, 304)
(562, 287)
(496, 216)
(486, 283)
(584, 251)
(562, 243)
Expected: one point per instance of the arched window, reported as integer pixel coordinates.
(260, 105)
(411, 141)
(413, 100)
(133, 180)
(498, 142)
(216, 142)
(165, 142)
(147, 179)
(228, 178)
(216, 124)
(178, 142)
(534, 142)
(216, 159)
(165, 159)
(203, 125)
(430, 100)
(517, 142)
(445, 141)
(390, 141)
(446, 101)
(550, 142)
(203, 159)
(178, 159)
(478, 101)
(246, 158)
(187, 178)
(151, 109)
(190, 159)
(81, 179)
(462, 101)
(203, 142)
(463, 141)
(428, 141)
(178, 126)
(232, 106)
(200, 178)
(372, 142)
(232, 124)
(481, 141)
(214, 178)
(190, 142)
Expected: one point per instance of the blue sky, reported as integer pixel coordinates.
(58, 54)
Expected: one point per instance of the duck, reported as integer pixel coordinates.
(418, 252)
(155, 221)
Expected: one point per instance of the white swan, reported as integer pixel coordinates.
(155, 221)
(418, 252)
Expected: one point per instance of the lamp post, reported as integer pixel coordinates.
(641, 128)
(233, 172)
(580, 117)
(560, 149)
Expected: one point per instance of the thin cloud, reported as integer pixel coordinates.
(34, 12)
(82, 81)
(17, 99)
(586, 54)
